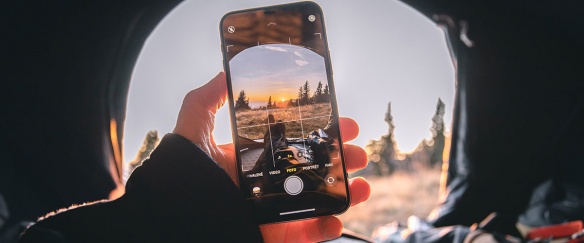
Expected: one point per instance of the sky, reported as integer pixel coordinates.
(290, 67)
(382, 51)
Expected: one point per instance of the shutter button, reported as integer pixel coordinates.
(293, 185)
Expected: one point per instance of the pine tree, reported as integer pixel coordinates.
(269, 102)
(382, 152)
(438, 136)
(326, 94)
(299, 100)
(389, 148)
(242, 101)
(318, 93)
(306, 94)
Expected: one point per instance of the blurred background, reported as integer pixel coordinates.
(392, 73)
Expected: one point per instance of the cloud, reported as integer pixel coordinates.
(275, 48)
(298, 54)
(301, 62)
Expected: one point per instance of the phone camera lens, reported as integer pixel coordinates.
(311, 18)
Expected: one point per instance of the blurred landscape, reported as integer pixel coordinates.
(403, 184)
(394, 198)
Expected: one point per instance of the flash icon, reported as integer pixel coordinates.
(311, 18)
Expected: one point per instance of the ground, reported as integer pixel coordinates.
(394, 197)
(251, 122)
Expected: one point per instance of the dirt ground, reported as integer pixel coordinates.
(251, 123)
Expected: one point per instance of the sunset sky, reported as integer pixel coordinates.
(276, 70)
(382, 51)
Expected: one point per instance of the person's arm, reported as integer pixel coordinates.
(179, 194)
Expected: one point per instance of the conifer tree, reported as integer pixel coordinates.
(389, 149)
(318, 93)
(382, 152)
(438, 136)
(299, 100)
(242, 101)
(326, 94)
(306, 94)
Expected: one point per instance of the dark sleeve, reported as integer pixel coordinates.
(177, 195)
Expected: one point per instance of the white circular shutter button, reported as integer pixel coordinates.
(293, 185)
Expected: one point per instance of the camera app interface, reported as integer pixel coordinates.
(287, 129)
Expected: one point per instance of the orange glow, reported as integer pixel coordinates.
(254, 97)
(115, 162)
(116, 149)
(115, 146)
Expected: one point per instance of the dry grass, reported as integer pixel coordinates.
(395, 197)
(251, 123)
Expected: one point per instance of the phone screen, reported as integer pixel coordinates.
(283, 112)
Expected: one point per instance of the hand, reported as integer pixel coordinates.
(196, 121)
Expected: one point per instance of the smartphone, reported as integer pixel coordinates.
(284, 112)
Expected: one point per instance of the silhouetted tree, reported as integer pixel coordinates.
(438, 136)
(389, 148)
(242, 101)
(299, 100)
(326, 94)
(306, 94)
(382, 152)
(269, 102)
(318, 95)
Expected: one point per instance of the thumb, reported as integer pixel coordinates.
(196, 118)
(211, 95)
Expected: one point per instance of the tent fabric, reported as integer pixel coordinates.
(518, 104)
(517, 122)
(66, 69)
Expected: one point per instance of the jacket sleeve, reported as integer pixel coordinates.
(179, 194)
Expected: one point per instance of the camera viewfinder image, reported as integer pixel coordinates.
(282, 107)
